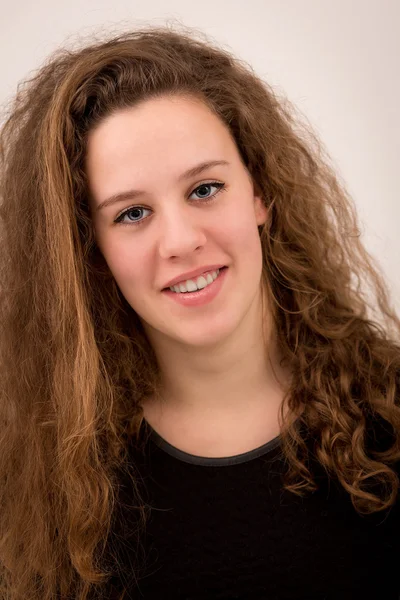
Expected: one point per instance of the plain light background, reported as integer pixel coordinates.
(338, 62)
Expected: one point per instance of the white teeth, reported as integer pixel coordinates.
(200, 283)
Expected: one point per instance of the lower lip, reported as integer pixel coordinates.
(200, 297)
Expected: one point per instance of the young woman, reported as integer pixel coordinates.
(197, 398)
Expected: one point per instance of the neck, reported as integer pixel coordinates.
(242, 375)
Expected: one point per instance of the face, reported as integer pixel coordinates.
(168, 222)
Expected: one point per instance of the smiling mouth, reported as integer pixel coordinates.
(169, 289)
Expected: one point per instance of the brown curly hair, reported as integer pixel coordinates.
(75, 361)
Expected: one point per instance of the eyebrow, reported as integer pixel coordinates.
(130, 194)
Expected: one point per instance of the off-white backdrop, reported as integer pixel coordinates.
(337, 61)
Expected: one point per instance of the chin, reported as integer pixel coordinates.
(205, 336)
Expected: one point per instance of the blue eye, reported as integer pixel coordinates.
(203, 187)
(130, 210)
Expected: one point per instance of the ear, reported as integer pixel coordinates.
(260, 210)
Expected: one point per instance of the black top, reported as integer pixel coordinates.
(224, 528)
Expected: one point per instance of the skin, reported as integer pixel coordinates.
(220, 393)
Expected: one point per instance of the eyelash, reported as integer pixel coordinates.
(218, 184)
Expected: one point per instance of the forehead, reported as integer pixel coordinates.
(152, 143)
(155, 128)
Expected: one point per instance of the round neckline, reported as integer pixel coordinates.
(208, 461)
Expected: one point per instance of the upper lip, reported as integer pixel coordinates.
(191, 274)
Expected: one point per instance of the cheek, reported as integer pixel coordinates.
(239, 230)
(128, 263)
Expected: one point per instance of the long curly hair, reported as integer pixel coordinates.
(75, 361)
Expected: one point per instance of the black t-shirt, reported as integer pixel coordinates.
(225, 528)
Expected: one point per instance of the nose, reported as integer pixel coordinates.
(181, 234)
